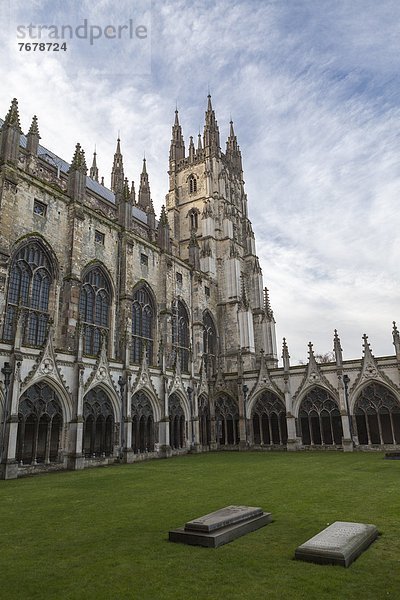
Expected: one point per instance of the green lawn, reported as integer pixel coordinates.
(102, 533)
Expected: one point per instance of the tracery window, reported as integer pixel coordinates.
(269, 420)
(320, 419)
(31, 276)
(204, 421)
(209, 341)
(176, 422)
(94, 309)
(143, 432)
(143, 317)
(180, 333)
(192, 184)
(40, 424)
(98, 427)
(227, 421)
(377, 416)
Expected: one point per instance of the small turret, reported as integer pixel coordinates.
(33, 137)
(94, 171)
(117, 173)
(396, 340)
(77, 175)
(10, 135)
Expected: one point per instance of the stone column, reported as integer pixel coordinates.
(165, 448)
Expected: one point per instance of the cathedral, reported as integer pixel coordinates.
(125, 336)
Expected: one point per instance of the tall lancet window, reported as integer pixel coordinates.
(30, 280)
(192, 184)
(94, 309)
(209, 341)
(143, 317)
(180, 333)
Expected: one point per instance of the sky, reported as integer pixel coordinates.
(313, 89)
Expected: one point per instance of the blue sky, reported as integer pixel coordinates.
(313, 88)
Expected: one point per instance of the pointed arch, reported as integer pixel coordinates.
(98, 423)
(227, 420)
(144, 429)
(319, 418)
(177, 422)
(204, 420)
(31, 280)
(40, 425)
(181, 332)
(95, 302)
(144, 320)
(376, 414)
(210, 341)
(268, 419)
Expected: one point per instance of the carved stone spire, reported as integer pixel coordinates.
(77, 175)
(337, 349)
(285, 356)
(33, 137)
(211, 131)
(133, 194)
(177, 148)
(191, 150)
(94, 171)
(10, 135)
(267, 304)
(163, 232)
(396, 340)
(117, 173)
(199, 144)
(233, 153)
(144, 199)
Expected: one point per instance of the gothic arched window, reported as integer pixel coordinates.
(40, 423)
(98, 425)
(94, 309)
(192, 184)
(377, 416)
(193, 215)
(31, 276)
(143, 317)
(227, 421)
(180, 333)
(209, 340)
(176, 422)
(320, 419)
(269, 420)
(143, 429)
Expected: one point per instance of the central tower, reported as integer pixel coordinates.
(208, 217)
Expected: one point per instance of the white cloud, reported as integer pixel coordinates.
(313, 89)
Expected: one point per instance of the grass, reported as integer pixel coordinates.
(102, 533)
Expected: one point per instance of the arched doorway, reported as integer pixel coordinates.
(269, 421)
(377, 416)
(320, 420)
(143, 429)
(98, 426)
(227, 421)
(40, 424)
(204, 421)
(176, 422)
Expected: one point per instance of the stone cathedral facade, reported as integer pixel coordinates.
(125, 337)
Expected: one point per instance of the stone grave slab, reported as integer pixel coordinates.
(338, 544)
(221, 526)
(392, 455)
